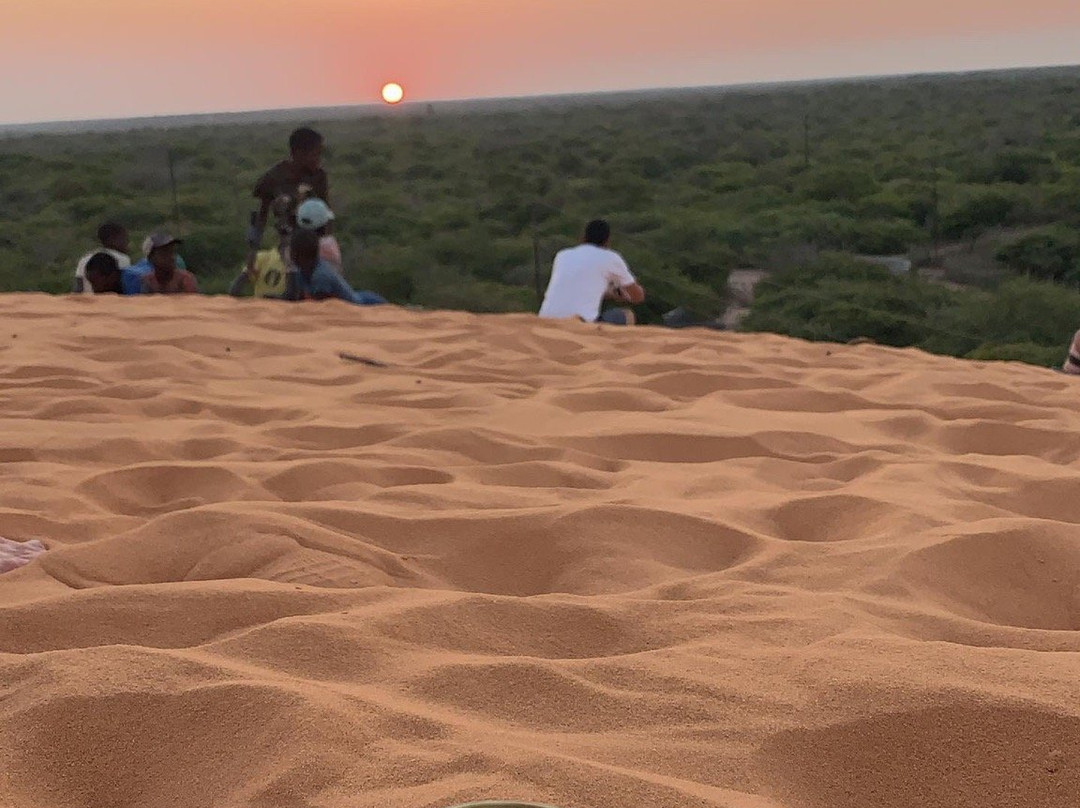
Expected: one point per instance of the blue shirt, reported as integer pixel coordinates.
(131, 278)
(326, 282)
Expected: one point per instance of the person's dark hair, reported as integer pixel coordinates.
(304, 140)
(110, 231)
(597, 232)
(102, 263)
(304, 244)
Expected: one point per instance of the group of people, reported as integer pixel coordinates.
(109, 268)
(305, 262)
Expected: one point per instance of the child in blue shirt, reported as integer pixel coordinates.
(314, 278)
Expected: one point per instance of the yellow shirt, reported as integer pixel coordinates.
(270, 273)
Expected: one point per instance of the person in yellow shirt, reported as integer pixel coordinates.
(266, 278)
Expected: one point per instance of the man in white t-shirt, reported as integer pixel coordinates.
(583, 276)
(113, 238)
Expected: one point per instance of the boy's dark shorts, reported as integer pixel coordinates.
(613, 317)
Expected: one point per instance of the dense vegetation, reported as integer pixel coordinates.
(838, 298)
(975, 177)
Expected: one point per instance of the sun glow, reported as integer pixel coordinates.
(393, 93)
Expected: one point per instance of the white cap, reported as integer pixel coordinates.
(314, 214)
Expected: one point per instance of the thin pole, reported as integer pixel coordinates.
(172, 183)
(536, 256)
(934, 214)
(806, 140)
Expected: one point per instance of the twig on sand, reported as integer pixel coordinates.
(363, 360)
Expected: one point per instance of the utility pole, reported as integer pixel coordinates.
(172, 183)
(934, 207)
(806, 140)
(536, 255)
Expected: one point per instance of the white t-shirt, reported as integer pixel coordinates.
(80, 269)
(580, 277)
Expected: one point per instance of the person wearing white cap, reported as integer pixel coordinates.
(315, 215)
(267, 273)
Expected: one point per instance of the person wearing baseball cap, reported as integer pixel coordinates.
(315, 215)
(131, 282)
(312, 278)
(166, 278)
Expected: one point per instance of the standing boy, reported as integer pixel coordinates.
(285, 186)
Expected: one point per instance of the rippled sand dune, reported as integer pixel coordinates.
(595, 567)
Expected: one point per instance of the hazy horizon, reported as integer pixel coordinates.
(122, 59)
(375, 107)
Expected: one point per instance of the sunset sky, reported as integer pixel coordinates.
(78, 59)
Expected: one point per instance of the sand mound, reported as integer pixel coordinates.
(963, 756)
(557, 562)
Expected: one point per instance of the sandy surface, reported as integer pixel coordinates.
(594, 567)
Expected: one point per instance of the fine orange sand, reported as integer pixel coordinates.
(595, 567)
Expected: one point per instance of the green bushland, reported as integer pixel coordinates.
(838, 298)
(447, 206)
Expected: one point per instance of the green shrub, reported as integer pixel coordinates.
(883, 236)
(1052, 253)
(1027, 352)
(839, 182)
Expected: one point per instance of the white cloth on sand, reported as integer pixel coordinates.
(15, 554)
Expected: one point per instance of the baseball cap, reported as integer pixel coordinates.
(313, 214)
(157, 239)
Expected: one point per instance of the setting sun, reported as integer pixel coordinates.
(393, 93)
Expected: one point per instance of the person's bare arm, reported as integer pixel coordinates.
(632, 294)
(256, 227)
(240, 284)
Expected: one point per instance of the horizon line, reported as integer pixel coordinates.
(195, 119)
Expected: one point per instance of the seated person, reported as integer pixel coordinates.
(266, 270)
(166, 278)
(314, 214)
(266, 275)
(113, 238)
(131, 283)
(583, 276)
(102, 274)
(313, 278)
(1072, 361)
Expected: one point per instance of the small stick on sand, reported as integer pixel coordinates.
(375, 363)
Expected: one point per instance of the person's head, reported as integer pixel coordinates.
(598, 232)
(113, 236)
(315, 215)
(304, 249)
(160, 249)
(103, 273)
(306, 146)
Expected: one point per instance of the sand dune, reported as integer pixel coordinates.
(576, 564)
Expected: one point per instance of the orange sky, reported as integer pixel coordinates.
(64, 59)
